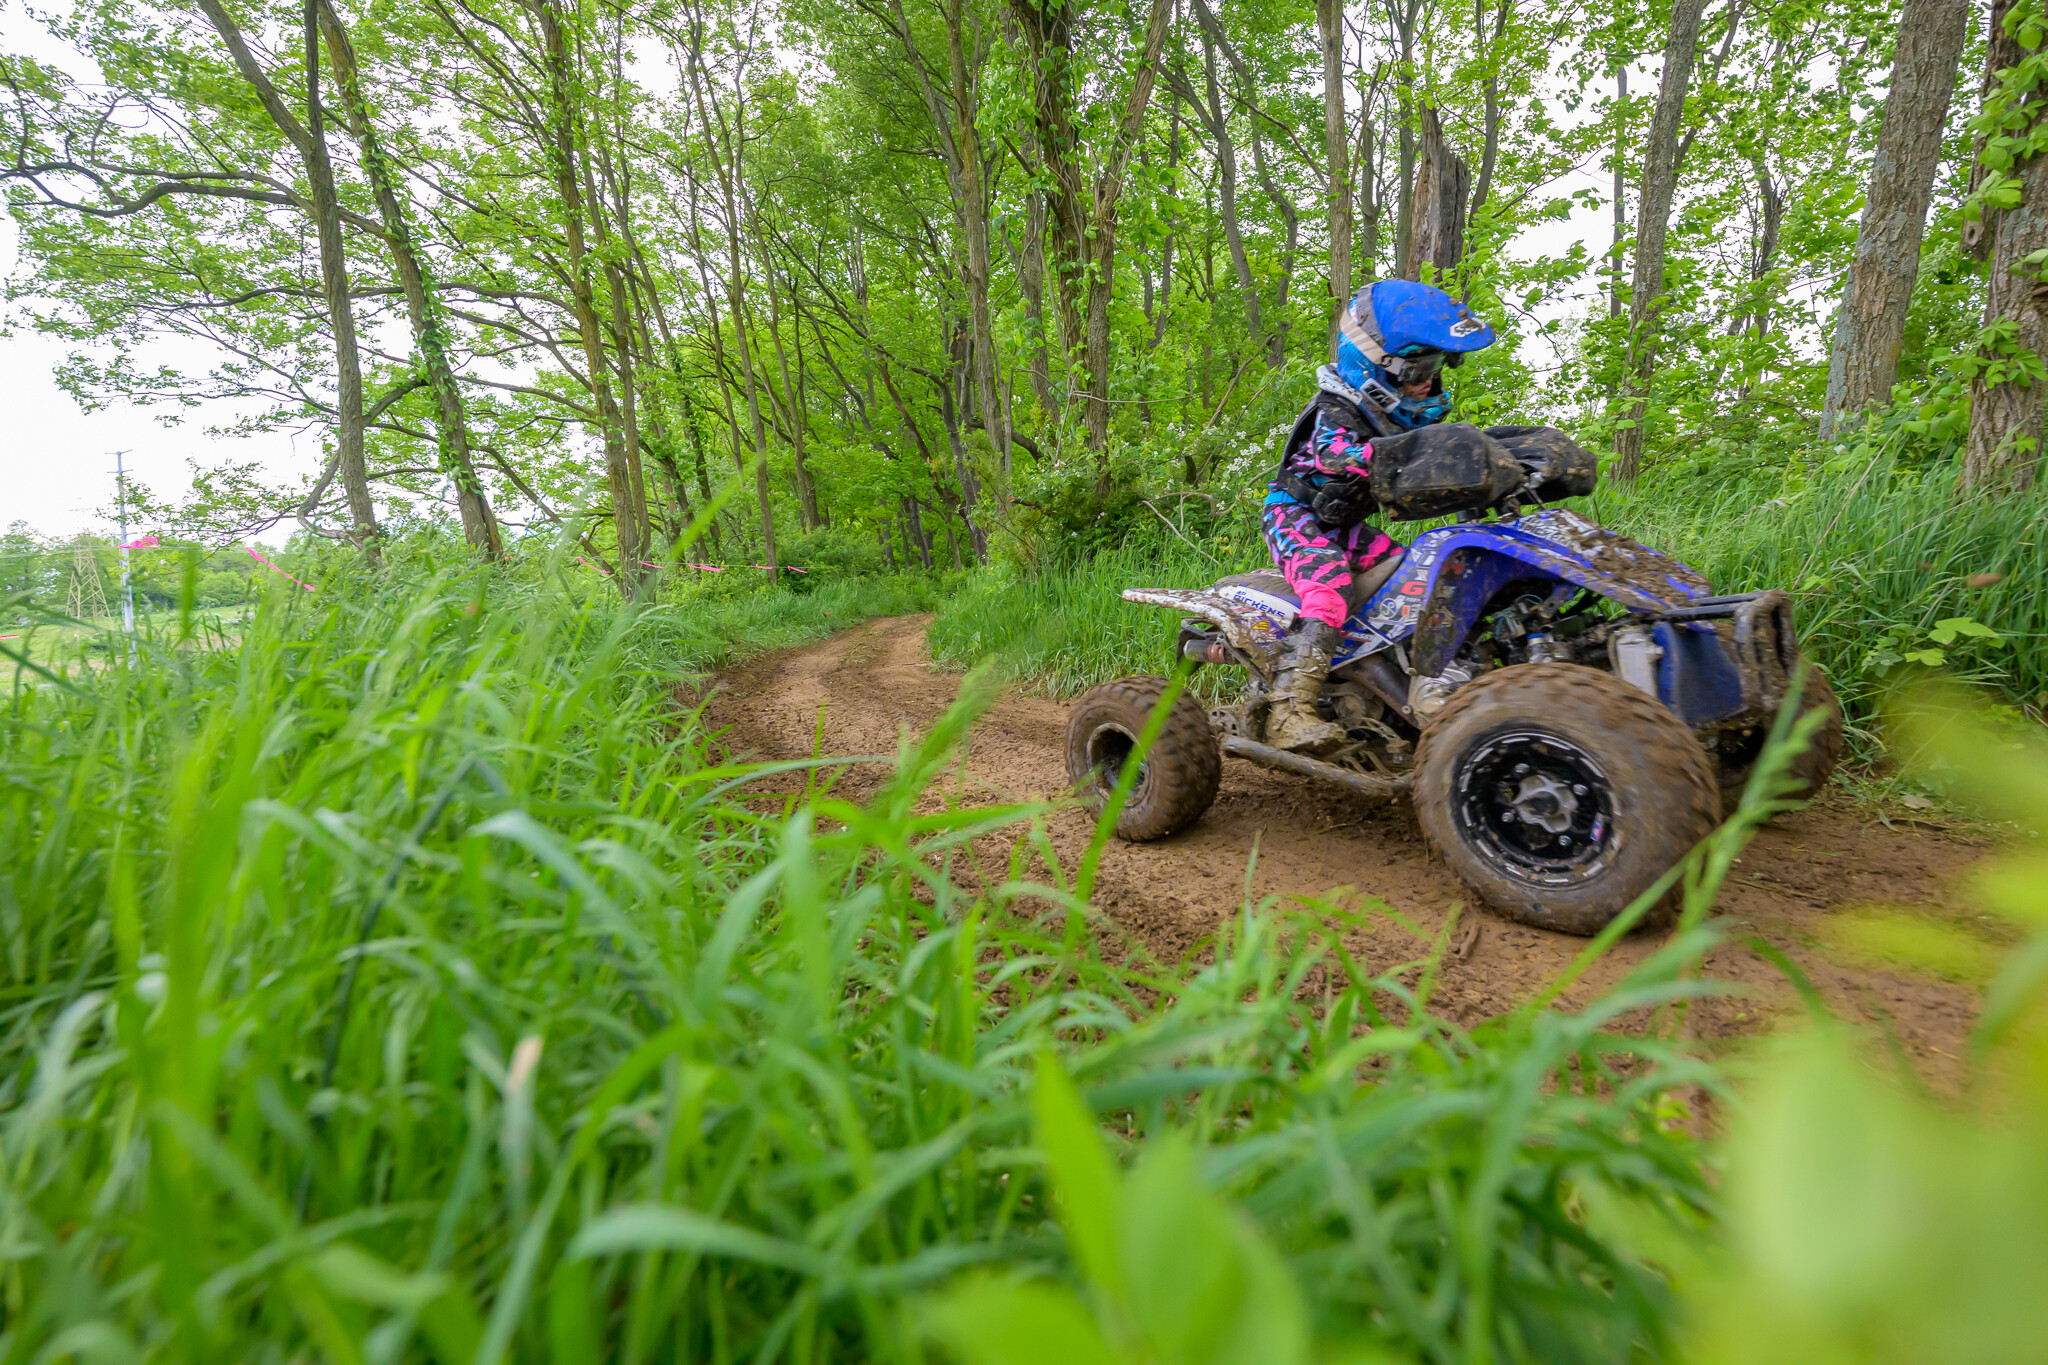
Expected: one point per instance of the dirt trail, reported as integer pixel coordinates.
(874, 679)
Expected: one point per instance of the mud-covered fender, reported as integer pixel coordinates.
(1449, 574)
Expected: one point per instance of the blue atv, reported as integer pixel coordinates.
(1565, 706)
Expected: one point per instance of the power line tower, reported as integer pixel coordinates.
(127, 583)
(88, 598)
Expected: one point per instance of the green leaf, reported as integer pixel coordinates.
(355, 1274)
(991, 1322)
(663, 1227)
(1083, 1174)
(1946, 630)
(1204, 1284)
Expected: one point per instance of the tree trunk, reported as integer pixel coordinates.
(2001, 51)
(1283, 207)
(915, 531)
(646, 305)
(1653, 221)
(978, 270)
(806, 483)
(629, 410)
(1489, 150)
(708, 293)
(1366, 244)
(1172, 223)
(730, 169)
(1216, 120)
(310, 139)
(2004, 446)
(629, 390)
(1337, 151)
(959, 147)
(348, 389)
(1086, 239)
(1620, 191)
(959, 349)
(1772, 208)
(628, 515)
(1403, 17)
(1048, 30)
(1440, 185)
(1031, 283)
(1864, 360)
(451, 420)
(702, 465)
(807, 498)
(1102, 225)
(1282, 202)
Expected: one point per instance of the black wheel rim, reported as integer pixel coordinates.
(1109, 748)
(1536, 806)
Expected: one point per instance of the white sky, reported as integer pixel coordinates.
(56, 462)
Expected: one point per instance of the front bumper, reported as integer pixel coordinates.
(1726, 661)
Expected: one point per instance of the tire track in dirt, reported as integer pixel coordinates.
(874, 680)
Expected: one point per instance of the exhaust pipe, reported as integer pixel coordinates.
(1207, 649)
(1266, 756)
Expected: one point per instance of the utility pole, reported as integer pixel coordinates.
(121, 520)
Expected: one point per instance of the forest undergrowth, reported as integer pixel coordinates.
(409, 978)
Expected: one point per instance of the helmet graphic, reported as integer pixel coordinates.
(1400, 333)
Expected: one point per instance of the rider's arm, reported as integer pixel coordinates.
(1335, 450)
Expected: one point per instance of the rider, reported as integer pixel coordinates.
(1393, 341)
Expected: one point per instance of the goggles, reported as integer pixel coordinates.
(1417, 363)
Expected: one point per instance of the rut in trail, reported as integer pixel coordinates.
(874, 679)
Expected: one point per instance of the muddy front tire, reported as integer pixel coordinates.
(1559, 794)
(1178, 778)
(1814, 765)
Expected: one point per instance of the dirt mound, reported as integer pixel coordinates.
(874, 680)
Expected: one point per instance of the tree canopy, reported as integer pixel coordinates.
(932, 272)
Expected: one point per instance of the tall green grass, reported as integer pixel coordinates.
(700, 625)
(1066, 627)
(405, 980)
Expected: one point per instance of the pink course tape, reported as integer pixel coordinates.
(261, 560)
(146, 543)
(707, 568)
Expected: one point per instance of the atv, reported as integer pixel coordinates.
(1566, 707)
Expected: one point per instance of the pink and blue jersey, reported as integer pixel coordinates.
(1321, 562)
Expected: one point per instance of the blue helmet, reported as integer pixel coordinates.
(1396, 332)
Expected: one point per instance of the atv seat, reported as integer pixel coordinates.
(1272, 583)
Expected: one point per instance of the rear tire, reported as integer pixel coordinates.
(1180, 775)
(1812, 769)
(1559, 794)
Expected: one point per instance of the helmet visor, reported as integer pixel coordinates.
(1415, 364)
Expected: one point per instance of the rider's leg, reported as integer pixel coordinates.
(1294, 722)
(1320, 564)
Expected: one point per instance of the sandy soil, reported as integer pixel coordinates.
(873, 680)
